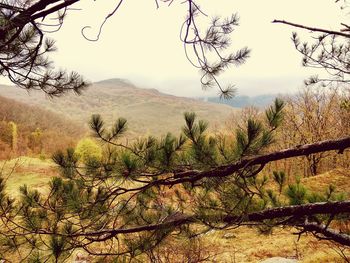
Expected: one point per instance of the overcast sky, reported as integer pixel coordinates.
(141, 43)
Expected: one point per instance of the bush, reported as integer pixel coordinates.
(88, 149)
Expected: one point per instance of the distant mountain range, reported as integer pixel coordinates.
(260, 101)
(148, 111)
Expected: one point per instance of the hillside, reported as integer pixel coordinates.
(147, 110)
(33, 117)
(37, 130)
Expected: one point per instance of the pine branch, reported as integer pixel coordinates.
(307, 149)
(53, 9)
(296, 211)
(327, 233)
(313, 29)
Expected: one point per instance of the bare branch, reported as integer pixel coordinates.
(313, 29)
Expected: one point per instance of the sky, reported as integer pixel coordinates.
(141, 43)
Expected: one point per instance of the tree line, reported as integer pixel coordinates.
(32, 131)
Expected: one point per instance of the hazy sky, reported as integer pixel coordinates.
(142, 44)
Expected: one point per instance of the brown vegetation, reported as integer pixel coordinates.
(148, 111)
(311, 116)
(29, 130)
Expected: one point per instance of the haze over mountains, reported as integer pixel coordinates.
(148, 111)
(260, 101)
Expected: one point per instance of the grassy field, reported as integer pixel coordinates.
(248, 246)
(32, 172)
(243, 245)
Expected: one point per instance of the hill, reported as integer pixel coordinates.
(33, 130)
(260, 101)
(148, 111)
(33, 117)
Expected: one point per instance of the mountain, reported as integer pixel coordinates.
(260, 101)
(148, 111)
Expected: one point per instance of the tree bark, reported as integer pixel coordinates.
(313, 29)
(307, 149)
(296, 211)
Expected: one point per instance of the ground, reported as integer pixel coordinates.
(243, 245)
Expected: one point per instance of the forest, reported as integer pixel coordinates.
(109, 171)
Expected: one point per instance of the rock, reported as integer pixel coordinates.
(279, 260)
(81, 258)
(228, 235)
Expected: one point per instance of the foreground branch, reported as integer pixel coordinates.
(330, 234)
(313, 29)
(307, 149)
(296, 211)
(36, 11)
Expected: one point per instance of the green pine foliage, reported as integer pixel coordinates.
(296, 193)
(280, 178)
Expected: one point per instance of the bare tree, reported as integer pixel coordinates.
(313, 115)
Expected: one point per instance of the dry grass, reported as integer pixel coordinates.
(32, 172)
(338, 177)
(247, 245)
(250, 246)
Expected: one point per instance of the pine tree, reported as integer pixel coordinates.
(136, 196)
(128, 202)
(25, 46)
